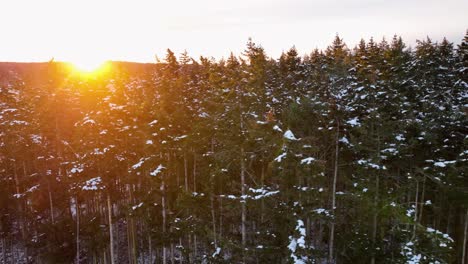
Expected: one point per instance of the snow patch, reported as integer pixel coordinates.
(158, 170)
(289, 135)
(307, 161)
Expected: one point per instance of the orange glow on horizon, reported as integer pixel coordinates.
(90, 68)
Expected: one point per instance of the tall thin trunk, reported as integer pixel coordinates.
(172, 253)
(4, 250)
(190, 254)
(376, 201)
(333, 205)
(243, 207)
(150, 249)
(129, 246)
(180, 251)
(77, 230)
(421, 207)
(262, 210)
(134, 244)
(416, 200)
(51, 203)
(163, 203)
(131, 228)
(111, 231)
(465, 234)
(186, 172)
(195, 247)
(213, 217)
(194, 171)
(220, 232)
(374, 217)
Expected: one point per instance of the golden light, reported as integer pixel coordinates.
(90, 68)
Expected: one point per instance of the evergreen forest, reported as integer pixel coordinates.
(343, 155)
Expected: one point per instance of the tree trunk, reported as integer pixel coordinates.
(195, 247)
(180, 251)
(262, 210)
(374, 217)
(51, 203)
(333, 205)
(213, 217)
(163, 203)
(4, 259)
(77, 231)
(416, 200)
(186, 173)
(465, 234)
(194, 171)
(421, 207)
(111, 231)
(243, 207)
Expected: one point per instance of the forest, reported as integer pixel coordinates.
(343, 155)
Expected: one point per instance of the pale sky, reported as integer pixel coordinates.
(137, 30)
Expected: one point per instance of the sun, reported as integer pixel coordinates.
(90, 67)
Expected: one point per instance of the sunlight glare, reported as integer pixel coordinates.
(88, 66)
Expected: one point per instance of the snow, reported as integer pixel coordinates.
(295, 243)
(408, 252)
(390, 150)
(321, 211)
(400, 137)
(307, 161)
(280, 157)
(138, 165)
(158, 170)
(217, 251)
(36, 139)
(353, 122)
(344, 140)
(443, 164)
(369, 164)
(137, 206)
(261, 193)
(32, 189)
(9, 110)
(18, 195)
(77, 169)
(89, 121)
(257, 194)
(180, 137)
(289, 135)
(203, 115)
(93, 184)
(292, 244)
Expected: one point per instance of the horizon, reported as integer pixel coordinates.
(141, 31)
(409, 45)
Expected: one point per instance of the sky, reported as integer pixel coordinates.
(139, 30)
